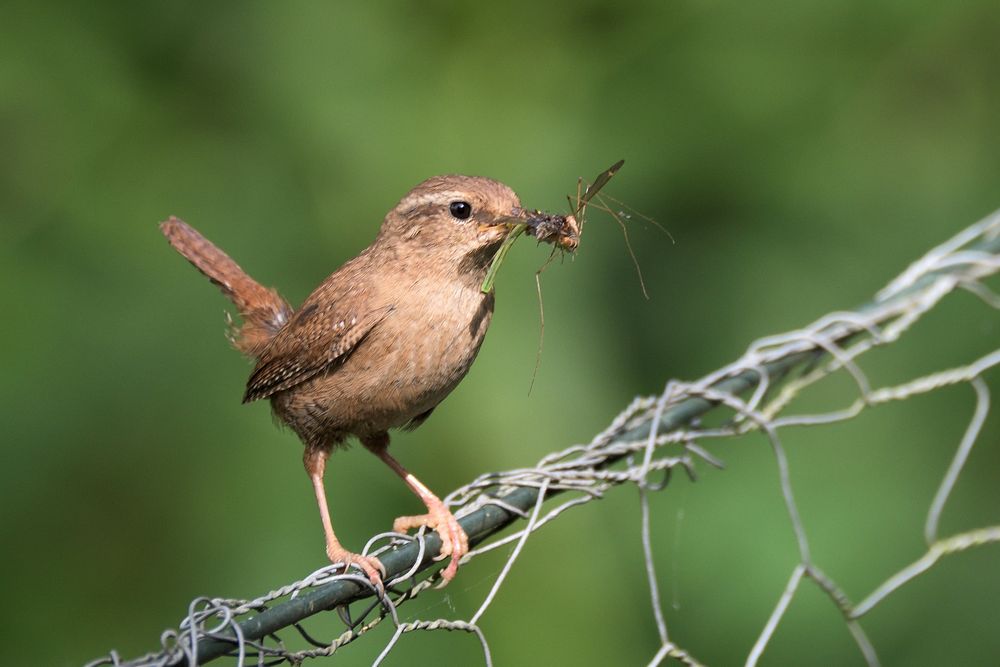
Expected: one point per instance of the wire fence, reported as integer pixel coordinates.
(641, 447)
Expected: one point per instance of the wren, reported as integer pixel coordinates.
(381, 342)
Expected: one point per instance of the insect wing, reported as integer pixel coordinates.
(592, 189)
(602, 180)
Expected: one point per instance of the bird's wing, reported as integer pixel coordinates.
(319, 334)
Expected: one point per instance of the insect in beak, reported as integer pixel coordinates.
(560, 230)
(563, 231)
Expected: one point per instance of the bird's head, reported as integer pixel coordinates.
(454, 221)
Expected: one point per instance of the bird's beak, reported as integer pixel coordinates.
(562, 231)
(517, 217)
(499, 228)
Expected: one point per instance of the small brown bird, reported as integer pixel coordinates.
(380, 342)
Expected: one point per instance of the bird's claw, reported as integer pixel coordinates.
(454, 541)
(370, 565)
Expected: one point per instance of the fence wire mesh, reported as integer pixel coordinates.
(641, 447)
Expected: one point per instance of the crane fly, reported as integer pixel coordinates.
(562, 231)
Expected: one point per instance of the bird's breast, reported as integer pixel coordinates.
(407, 365)
(449, 324)
(415, 357)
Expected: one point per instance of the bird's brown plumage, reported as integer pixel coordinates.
(382, 340)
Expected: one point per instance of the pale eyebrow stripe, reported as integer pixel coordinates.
(431, 197)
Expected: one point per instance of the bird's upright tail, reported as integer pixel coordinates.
(263, 310)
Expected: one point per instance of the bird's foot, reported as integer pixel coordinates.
(454, 541)
(371, 565)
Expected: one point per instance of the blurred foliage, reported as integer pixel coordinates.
(800, 153)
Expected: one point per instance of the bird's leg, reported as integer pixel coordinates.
(315, 463)
(454, 541)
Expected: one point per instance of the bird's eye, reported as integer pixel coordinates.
(460, 209)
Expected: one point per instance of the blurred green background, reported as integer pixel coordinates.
(800, 153)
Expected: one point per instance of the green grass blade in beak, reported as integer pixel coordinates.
(498, 258)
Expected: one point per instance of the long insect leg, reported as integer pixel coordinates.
(600, 204)
(541, 317)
